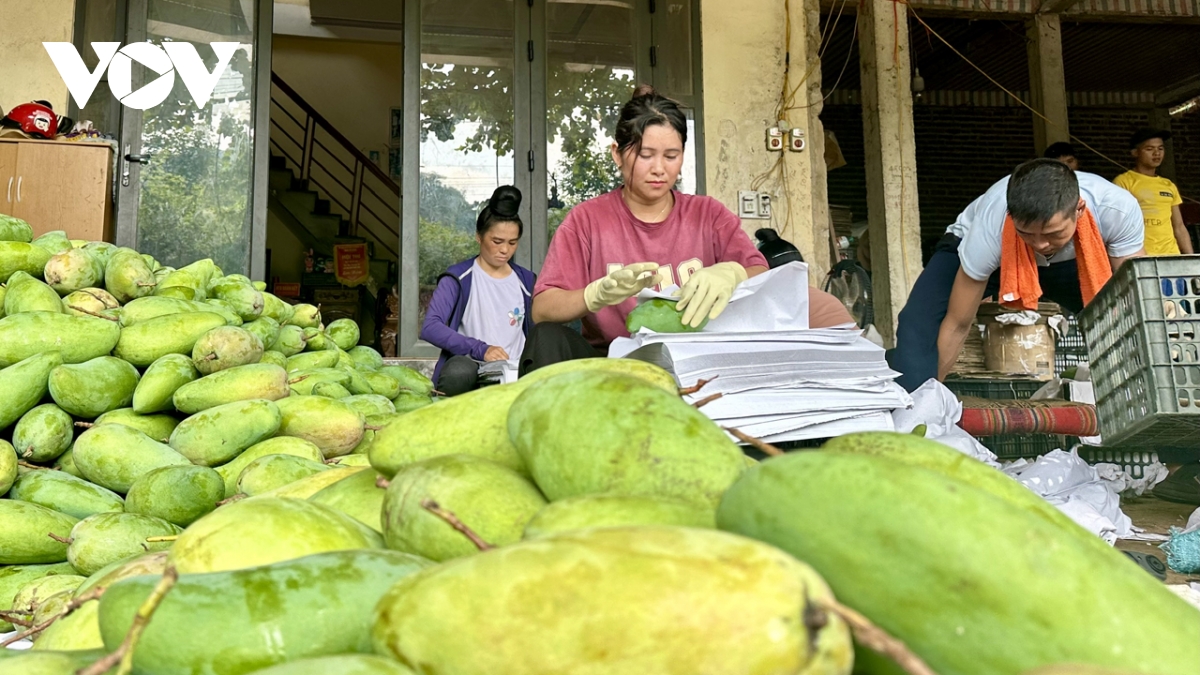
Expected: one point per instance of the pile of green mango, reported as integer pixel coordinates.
(325, 513)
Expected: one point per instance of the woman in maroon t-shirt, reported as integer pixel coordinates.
(643, 234)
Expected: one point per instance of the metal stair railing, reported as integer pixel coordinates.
(357, 189)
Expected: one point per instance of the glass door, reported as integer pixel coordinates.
(186, 174)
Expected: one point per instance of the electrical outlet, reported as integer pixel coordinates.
(796, 140)
(764, 206)
(747, 204)
(775, 139)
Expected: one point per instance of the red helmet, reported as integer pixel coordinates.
(35, 119)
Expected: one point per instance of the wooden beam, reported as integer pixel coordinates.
(1178, 93)
(1047, 80)
(1083, 11)
(1056, 6)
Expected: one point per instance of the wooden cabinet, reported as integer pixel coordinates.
(57, 185)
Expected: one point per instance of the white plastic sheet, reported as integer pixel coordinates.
(939, 410)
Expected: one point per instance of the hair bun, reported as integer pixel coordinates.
(644, 90)
(765, 234)
(505, 201)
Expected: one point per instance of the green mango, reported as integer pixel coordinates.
(259, 285)
(17, 256)
(105, 538)
(245, 301)
(158, 427)
(275, 358)
(24, 384)
(383, 385)
(79, 630)
(408, 402)
(151, 263)
(619, 600)
(342, 664)
(142, 343)
(366, 358)
(156, 389)
(578, 513)
(333, 426)
(23, 539)
(128, 277)
(13, 577)
(225, 347)
(225, 309)
(305, 316)
(312, 360)
(276, 308)
(66, 463)
(114, 455)
(661, 316)
(352, 460)
(410, 380)
(216, 435)
(93, 388)
(358, 383)
(290, 341)
(177, 494)
(578, 435)
(364, 446)
(72, 270)
(14, 229)
(174, 292)
(89, 302)
(102, 250)
(241, 383)
(330, 390)
(76, 338)
(142, 563)
(37, 591)
(264, 530)
(53, 242)
(49, 662)
(44, 433)
(29, 295)
(344, 333)
(66, 494)
(370, 404)
(265, 328)
(950, 596)
(313, 483)
(315, 340)
(3, 293)
(491, 499)
(145, 309)
(632, 367)
(273, 471)
(314, 606)
(304, 381)
(8, 470)
(280, 445)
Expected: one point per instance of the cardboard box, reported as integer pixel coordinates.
(1019, 350)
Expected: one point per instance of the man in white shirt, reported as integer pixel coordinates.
(1045, 199)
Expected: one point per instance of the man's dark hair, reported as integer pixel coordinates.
(1041, 189)
(1060, 149)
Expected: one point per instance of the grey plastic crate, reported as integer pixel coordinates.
(1143, 337)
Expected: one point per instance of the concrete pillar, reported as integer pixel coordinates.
(823, 252)
(895, 222)
(1160, 118)
(1047, 86)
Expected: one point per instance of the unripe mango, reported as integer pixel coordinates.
(100, 540)
(344, 333)
(276, 308)
(66, 463)
(302, 382)
(580, 513)
(76, 338)
(225, 347)
(273, 471)
(331, 425)
(8, 469)
(357, 384)
(383, 385)
(410, 380)
(44, 433)
(370, 404)
(491, 499)
(24, 540)
(178, 494)
(312, 484)
(74, 633)
(89, 302)
(365, 357)
(263, 530)
(407, 402)
(275, 358)
(142, 343)
(242, 297)
(343, 664)
(315, 340)
(358, 496)
(66, 494)
(281, 612)
(257, 380)
(266, 328)
(290, 341)
(216, 435)
(305, 316)
(144, 309)
(18, 256)
(157, 387)
(102, 250)
(114, 455)
(54, 241)
(13, 577)
(330, 390)
(158, 427)
(30, 596)
(93, 388)
(127, 276)
(24, 384)
(312, 360)
(282, 445)
(26, 294)
(73, 270)
(14, 229)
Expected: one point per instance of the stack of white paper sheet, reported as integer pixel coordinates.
(778, 379)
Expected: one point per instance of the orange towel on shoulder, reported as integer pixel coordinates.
(1019, 287)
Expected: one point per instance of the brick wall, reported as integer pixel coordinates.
(961, 150)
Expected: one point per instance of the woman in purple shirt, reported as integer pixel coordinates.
(480, 311)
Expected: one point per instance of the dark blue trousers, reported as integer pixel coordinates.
(916, 356)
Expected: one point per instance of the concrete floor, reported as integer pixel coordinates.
(1157, 516)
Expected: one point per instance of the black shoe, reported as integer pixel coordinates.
(1182, 486)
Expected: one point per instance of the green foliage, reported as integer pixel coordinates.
(441, 246)
(440, 203)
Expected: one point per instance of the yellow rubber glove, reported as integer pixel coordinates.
(706, 294)
(620, 285)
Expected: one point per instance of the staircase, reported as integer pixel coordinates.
(322, 187)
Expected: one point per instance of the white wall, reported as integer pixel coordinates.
(28, 73)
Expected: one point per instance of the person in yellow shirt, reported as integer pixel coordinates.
(1158, 196)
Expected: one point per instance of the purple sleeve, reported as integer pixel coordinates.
(435, 330)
